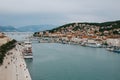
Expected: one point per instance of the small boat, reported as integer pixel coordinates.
(114, 49)
(83, 43)
(110, 49)
(93, 45)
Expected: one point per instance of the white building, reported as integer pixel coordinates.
(114, 41)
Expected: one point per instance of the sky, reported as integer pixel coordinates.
(57, 12)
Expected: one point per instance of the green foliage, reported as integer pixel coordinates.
(76, 28)
(115, 32)
(58, 28)
(5, 48)
(105, 43)
(35, 34)
(114, 24)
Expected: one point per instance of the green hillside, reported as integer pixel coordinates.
(103, 26)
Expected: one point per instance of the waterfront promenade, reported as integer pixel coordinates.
(14, 66)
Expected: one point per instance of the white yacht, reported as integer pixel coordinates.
(94, 45)
(27, 51)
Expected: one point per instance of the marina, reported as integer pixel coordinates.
(56, 61)
(59, 40)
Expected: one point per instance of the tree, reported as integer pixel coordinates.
(5, 48)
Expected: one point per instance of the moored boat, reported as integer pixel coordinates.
(93, 45)
(110, 48)
(27, 51)
(114, 49)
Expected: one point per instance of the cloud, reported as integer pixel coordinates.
(31, 19)
(64, 6)
(35, 6)
(24, 12)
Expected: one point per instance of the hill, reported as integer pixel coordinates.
(34, 28)
(7, 29)
(107, 29)
(29, 28)
(80, 26)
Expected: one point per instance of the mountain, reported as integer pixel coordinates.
(29, 28)
(7, 29)
(35, 28)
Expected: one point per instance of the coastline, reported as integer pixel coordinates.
(14, 66)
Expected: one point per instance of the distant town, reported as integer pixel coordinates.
(107, 33)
